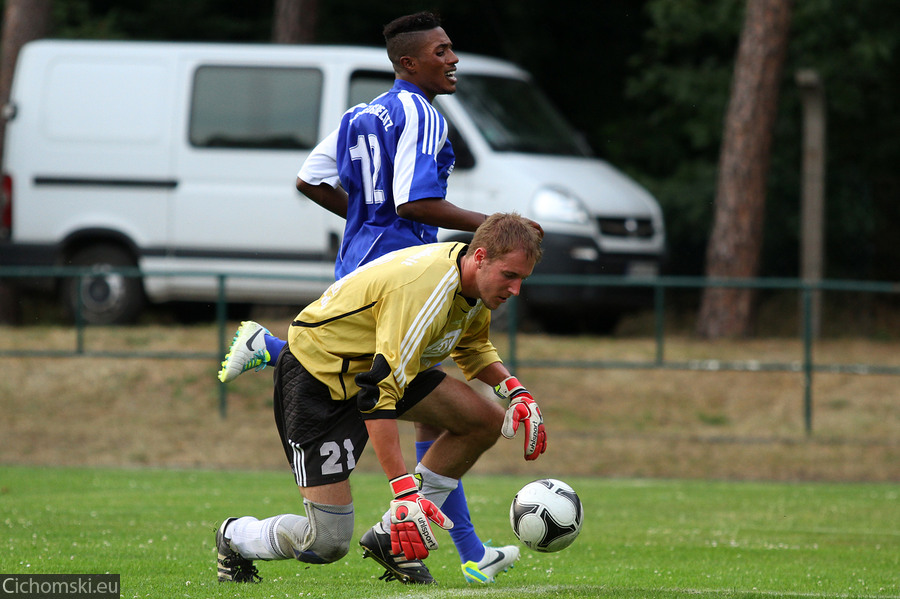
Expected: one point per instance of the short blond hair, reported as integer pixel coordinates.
(505, 232)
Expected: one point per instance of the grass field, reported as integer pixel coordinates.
(694, 483)
(641, 538)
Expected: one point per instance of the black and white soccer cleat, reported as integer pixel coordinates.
(397, 567)
(231, 565)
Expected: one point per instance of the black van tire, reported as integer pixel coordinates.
(106, 298)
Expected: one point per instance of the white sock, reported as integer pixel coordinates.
(435, 487)
(255, 539)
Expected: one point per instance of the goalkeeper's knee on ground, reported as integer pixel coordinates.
(322, 537)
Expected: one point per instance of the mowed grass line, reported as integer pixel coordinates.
(640, 539)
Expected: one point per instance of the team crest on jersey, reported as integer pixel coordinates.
(441, 348)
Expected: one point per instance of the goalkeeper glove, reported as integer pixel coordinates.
(522, 408)
(411, 531)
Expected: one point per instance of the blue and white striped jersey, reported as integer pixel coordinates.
(388, 152)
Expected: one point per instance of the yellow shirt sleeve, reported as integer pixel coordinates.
(474, 352)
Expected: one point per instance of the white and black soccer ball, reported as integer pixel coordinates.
(546, 515)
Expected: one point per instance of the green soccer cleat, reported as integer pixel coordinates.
(248, 351)
(495, 561)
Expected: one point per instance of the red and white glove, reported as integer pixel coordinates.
(411, 531)
(522, 408)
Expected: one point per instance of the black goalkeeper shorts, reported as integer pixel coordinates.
(324, 438)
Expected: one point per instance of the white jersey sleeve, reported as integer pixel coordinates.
(321, 165)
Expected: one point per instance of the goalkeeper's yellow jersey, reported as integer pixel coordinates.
(406, 306)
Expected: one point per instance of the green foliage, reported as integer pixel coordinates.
(667, 539)
(678, 91)
(680, 81)
(647, 82)
(170, 20)
(854, 45)
(75, 19)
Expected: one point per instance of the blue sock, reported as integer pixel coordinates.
(468, 545)
(274, 345)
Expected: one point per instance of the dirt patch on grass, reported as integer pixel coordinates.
(108, 410)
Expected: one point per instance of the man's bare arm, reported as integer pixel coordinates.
(441, 213)
(328, 197)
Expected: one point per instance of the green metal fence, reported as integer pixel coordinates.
(807, 366)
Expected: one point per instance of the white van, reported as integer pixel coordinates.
(182, 158)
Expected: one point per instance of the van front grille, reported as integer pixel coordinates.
(626, 227)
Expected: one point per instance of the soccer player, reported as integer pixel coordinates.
(385, 170)
(363, 356)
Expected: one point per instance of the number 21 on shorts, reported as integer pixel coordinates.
(338, 459)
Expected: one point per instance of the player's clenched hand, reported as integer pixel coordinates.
(522, 409)
(411, 517)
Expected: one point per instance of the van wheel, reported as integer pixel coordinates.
(106, 298)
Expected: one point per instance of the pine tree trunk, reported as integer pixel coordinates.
(294, 21)
(735, 243)
(23, 21)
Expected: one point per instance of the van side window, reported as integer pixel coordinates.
(255, 107)
(513, 115)
(368, 85)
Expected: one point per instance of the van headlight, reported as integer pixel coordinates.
(558, 205)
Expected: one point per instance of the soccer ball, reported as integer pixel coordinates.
(546, 515)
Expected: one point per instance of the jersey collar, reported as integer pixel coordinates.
(404, 85)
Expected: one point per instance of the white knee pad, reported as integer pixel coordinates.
(320, 538)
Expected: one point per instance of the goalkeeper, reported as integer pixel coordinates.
(363, 356)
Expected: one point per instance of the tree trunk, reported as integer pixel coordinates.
(294, 21)
(23, 21)
(736, 239)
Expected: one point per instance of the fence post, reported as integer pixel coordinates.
(812, 210)
(660, 319)
(807, 356)
(513, 324)
(79, 314)
(221, 316)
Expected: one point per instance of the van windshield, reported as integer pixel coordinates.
(514, 116)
